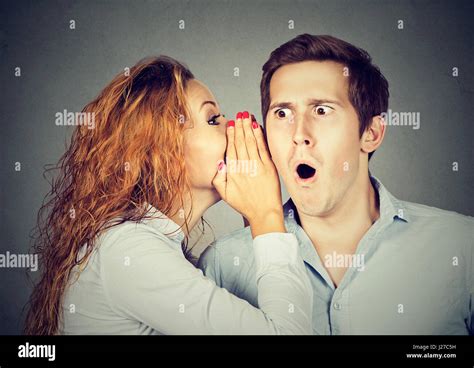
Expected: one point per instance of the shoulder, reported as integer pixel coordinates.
(449, 229)
(238, 242)
(420, 212)
(235, 247)
(133, 251)
(129, 237)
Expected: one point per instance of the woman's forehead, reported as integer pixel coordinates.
(198, 89)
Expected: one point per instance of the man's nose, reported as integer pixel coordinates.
(301, 133)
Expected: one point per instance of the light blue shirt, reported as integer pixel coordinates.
(137, 281)
(416, 276)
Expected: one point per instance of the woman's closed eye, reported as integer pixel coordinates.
(213, 119)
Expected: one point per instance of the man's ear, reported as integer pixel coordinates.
(373, 136)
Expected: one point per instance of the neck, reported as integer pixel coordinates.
(344, 226)
(193, 209)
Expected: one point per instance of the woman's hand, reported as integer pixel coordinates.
(248, 181)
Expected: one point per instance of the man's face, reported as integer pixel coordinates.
(313, 134)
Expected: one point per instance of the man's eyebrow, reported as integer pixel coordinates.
(322, 101)
(312, 101)
(207, 102)
(282, 105)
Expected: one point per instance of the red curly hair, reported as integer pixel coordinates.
(132, 157)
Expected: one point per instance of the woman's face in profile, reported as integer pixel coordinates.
(205, 138)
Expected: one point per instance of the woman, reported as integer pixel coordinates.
(129, 193)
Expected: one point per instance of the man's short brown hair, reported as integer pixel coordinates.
(368, 88)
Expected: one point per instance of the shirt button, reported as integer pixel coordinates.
(337, 306)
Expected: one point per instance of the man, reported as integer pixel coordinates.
(378, 265)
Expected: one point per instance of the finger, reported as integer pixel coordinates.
(230, 133)
(220, 179)
(261, 143)
(250, 140)
(240, 146)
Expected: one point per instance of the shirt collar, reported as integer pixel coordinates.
(163, 224)
(390, 207)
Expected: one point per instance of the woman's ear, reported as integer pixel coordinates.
(373, 136)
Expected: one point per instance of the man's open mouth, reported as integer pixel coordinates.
(305, 171)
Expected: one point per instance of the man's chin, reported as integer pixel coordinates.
(307, 203)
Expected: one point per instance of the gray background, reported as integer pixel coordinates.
(65, 69)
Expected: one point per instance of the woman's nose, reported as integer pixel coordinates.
(224, 122)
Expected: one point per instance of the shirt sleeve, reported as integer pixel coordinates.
(209, 265)
(147, 278)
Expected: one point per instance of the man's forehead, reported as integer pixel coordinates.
(310, 80)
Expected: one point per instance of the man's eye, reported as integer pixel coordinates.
(322, 110)
(213, 120)
(283, 113)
